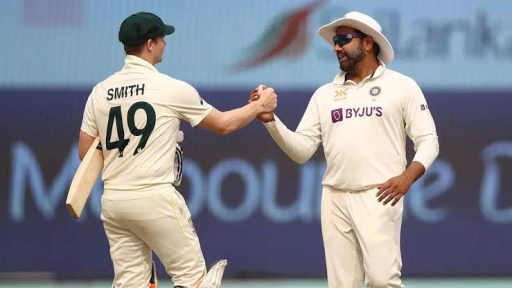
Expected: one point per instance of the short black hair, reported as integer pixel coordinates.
(376, 47)
(134, 50)
(137, 49)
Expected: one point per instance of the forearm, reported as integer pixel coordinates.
(236, 119)
(84, 143)
(414, 171)
(298, 147)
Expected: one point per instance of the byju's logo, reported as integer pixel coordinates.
(337, 115)
(341, 114)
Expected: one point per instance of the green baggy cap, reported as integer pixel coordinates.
(141, 26)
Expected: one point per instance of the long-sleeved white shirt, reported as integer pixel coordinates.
(363, 129)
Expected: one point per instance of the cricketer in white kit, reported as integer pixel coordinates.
(362, 119)
(136, 112)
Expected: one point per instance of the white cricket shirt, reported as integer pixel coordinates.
(143, 107)
(363, 129)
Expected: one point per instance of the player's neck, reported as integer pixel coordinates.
(147, 57)
(362, 69)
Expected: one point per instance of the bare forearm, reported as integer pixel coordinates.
(414, 171)
(84, 143)
(238, 118)
(224, 123)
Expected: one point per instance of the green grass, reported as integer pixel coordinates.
(285, 283)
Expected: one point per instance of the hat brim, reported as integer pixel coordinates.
(328, 31)
(169, 29)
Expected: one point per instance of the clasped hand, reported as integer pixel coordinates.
(258, 94)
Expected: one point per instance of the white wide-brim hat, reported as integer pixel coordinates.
(365, 24)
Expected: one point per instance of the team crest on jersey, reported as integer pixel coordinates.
(375, 91)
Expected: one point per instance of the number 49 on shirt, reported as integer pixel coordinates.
(116, 115)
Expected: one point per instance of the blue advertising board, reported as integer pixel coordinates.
(250, 203)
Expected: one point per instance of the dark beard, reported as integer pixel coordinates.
(353, 58)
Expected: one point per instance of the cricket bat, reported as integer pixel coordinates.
(84, 179)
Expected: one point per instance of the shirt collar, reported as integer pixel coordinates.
(339, 79)
(134, 62)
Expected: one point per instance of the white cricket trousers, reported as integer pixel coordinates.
(361, 239)
(137, 223)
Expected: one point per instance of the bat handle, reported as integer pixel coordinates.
(180, 136)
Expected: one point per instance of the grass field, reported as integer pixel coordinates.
(300, 283)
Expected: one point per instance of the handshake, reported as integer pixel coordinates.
(267, 98)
